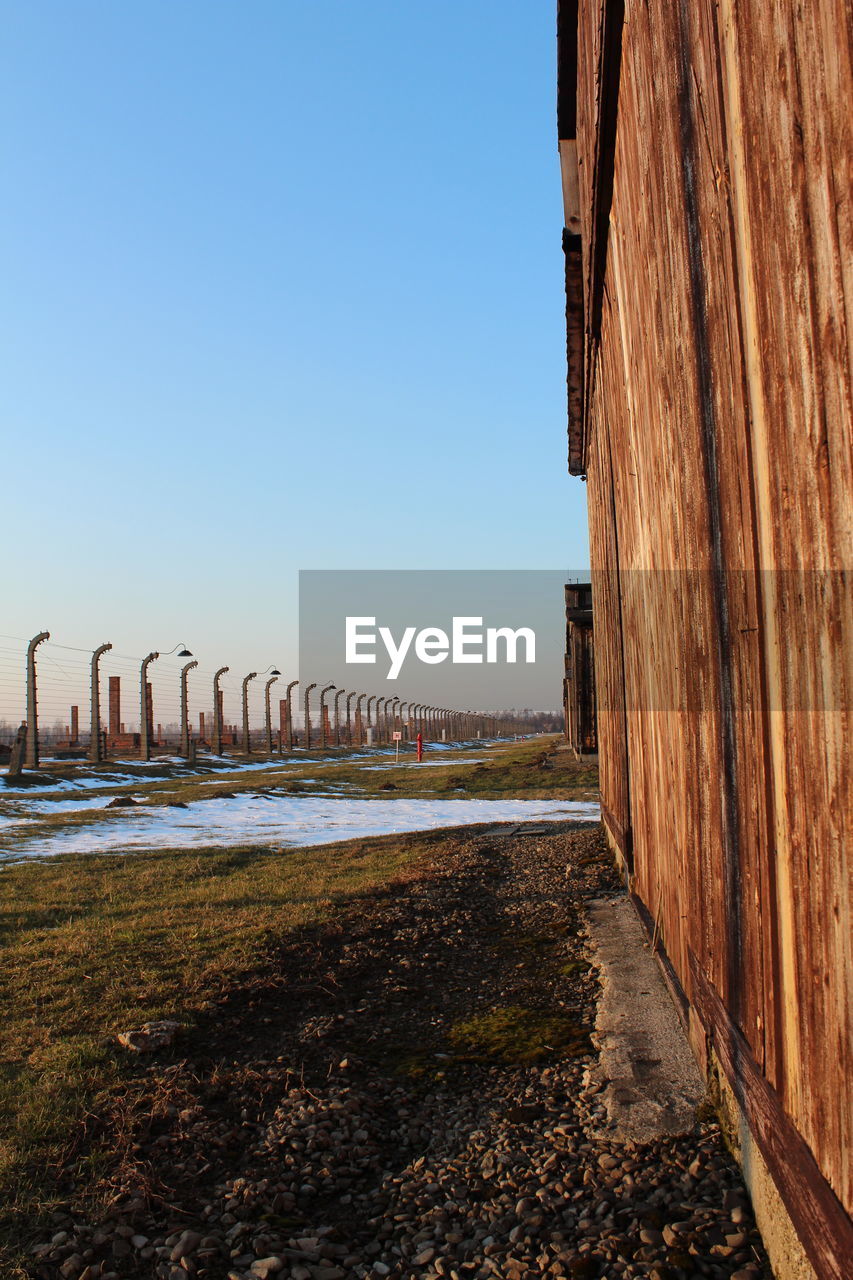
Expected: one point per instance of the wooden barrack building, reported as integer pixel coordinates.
(579, 674)
(705, 153)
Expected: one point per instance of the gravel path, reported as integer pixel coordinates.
(406, 1096)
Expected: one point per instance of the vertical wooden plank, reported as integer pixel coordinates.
(720, 493)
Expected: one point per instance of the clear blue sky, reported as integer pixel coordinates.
(282, 289)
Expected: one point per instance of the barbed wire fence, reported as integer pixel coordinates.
(172, 704)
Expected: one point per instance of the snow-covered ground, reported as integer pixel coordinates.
(90, 781)
(414, 764)
(215, 765)
(279, 821)
(31, 806)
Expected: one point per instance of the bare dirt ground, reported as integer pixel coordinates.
(403, 1093)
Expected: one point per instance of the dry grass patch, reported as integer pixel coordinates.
(95, 945)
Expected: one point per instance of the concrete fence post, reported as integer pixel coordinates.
(95, 753)
(32, 745)
(350, 697)
(269, 684)
(359, 721)
(216, 736)
(308, 689)
(145, 707)
(247, 744)
(340, 693)
(289, 699)
(185, 714)
(323, 733)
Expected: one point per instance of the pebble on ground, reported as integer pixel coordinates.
(327, 1124)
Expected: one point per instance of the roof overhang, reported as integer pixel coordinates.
(567, 77)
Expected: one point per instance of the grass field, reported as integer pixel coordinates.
(95, 945)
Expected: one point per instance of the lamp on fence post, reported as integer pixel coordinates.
(359, 718)
(323, 693)
(289, 701)
(95, 752)
(308, 689)
(338, 697)
(275, 675)
(32, 753)
(216, 744)
(247, 746)
(350, 697)
(185, 716)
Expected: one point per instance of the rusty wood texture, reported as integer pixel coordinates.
(826, 1227)
(716, 441)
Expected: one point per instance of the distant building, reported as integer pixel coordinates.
(579, 678)
(705, 152)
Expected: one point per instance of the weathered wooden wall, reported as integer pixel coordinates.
(713, 156)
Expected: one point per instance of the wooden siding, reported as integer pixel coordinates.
(715, 437)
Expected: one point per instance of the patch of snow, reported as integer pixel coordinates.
(286, 820)
(414, 764)
(49, 806)
(105, 780)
